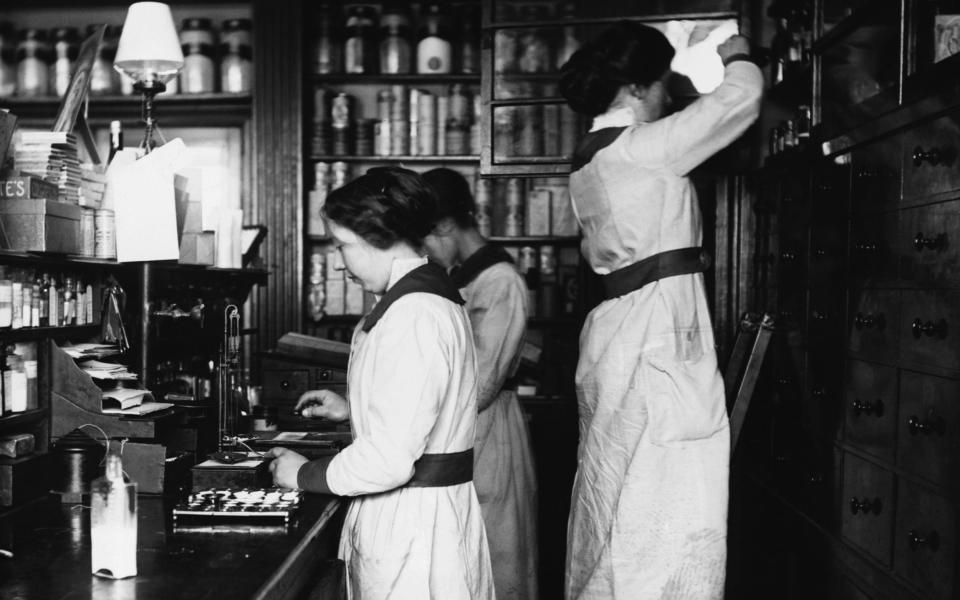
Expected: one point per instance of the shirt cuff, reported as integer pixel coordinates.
(736, 57)
(312, 476)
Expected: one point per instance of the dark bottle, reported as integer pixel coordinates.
(395, 47)
(328, 43)
(779, 51)
(116, 139)
(360, 48)
(44, 284)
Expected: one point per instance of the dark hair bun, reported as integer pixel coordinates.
(385, 206)
(625, 53)
(454, 198)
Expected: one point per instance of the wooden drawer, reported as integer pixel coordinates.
(875, 176)
(928, 245)
(286, 384)
(870, 410)
(827, 249)
(866, 507)
(830, 194)
(791, 259)
(930, 328)
(874, 324)
(825, 317)
(928, 442)
(930, 160)
(924, 542)
(873, 261)
(794, 208)
(824, 395)
(791, 313)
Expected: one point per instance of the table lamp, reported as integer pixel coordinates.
(149, 54)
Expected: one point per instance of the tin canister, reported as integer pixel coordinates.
(483, 199)
(381, 138)
(400, 109)
(514, 201)
(363, 143)
(399, 137)
(88, 232)
(426, 124)
(385, 101)
(443, 113)
(105, 236)
(321, 105)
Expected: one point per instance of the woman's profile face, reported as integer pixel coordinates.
(365, 263)
(658, 98)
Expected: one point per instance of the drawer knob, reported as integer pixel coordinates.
(819, 315)
(866, 506)
(284, 385)
(932, 424)
(932, 156)
(937, 242)
(867, 247)
(788, 256)
(867, 408)
(869, 321)
(323, 375)
(917, 540)
(937, 329)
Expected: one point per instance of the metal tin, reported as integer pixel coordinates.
(381, 138)
(385, 105)
(363, 142)
(105, 236)
(88, 232)
(548, 260)
(399, 138)
(483, 199)
(426, 124)
(443, 113)
(321, 176)
(341, 111)
(321, 106)
(400, 109)
(513, 220)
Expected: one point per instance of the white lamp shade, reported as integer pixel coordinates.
(149, 48)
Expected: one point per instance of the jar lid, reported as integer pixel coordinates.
(394, 21)
(65, 34)
(237, 25)
(33, 34)
(361, 15)
(197, 23)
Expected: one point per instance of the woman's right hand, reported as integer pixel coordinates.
(323, 404)
(735, 44)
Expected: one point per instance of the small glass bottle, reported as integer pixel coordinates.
(116, 139)
(360, 47)
(468, 42)
(68, 314)
(29, 309)
(395, 50)
(33, 63)
(66, 44)
(113, 522)
(434, 48)
(104, 79)
(8, 65)
(328, 42)
(41, 294)
(197, 42)
(6, 300)
(16, 286)
(236, 51)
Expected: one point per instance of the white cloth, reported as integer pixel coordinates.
(503, 461)
(412, 390)
(649, 509)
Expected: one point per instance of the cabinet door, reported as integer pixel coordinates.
(875, 176)
(928, 441)
(866, 506)
(930, 159)
(928, 245)
(874, 324)
(924, 541)
(871, 408)
(928, 328)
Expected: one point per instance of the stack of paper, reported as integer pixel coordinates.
(103, 370)
(92, 187)
(90, 350)
(127, 401)
(52, 156)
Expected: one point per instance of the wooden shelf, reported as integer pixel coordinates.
(556, 240)
(17, 420)
(27, 334)
(171, 111)
(468, 158)
(394, 78)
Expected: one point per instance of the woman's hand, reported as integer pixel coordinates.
(285, 466)
(735, 44)
(317, 404)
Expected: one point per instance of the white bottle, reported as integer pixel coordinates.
(113, 523)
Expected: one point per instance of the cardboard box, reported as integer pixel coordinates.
(41, 225)
(198, 248)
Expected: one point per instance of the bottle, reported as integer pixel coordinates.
(468, 42)
(6, 300)
(68, 315)
(328, 42)
(104, 79)
(360, 48)
(42, 291)
(33, 57)
(16, 288)
(569, 42)
(548, 282)
(395, 50)
(434, 50)
(779, 51)
(116, 139)
(8, 65)
(65, 48)
(30, 310)
(53, 300)
(198, 43)
(236, 51)
(527, 265)
(79, 311)
(15, 383)
(113, 522)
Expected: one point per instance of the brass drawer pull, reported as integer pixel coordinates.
(931, 540)
(936, 329)
(867, 408)
(866, 506)
(867, 247)
(932, 424)
(932, 156)
(869, 321)
(788, 256)
(938, 242)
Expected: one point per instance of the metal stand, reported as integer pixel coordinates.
(229, 379)
(755, 331)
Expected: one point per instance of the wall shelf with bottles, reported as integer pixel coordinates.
(19, 420)
(395, 78)
(38, 333)
(556, 240)
(392, 159)
(200, 109)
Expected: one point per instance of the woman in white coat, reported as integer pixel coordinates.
(649, 509)
(415, 529)
(496, 302)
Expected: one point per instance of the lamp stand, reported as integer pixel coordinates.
(148, 90)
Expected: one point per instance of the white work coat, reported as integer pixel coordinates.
(648, 518)
(412, 390)
(503, 461)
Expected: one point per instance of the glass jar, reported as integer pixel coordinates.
(434, 49)
(360, 47)
(236, 56)
(328, 42)
(395, 50)
(66, 44)
(33, 63)
(197, 41)
(8, 65)
(534, 48)
(104, 79)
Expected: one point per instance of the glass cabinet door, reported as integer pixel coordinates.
(934, 36)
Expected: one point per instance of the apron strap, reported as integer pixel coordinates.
(653, 268)
(441, 470)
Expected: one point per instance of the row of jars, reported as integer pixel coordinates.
(790, 133)
(439, 39)
(36, 62)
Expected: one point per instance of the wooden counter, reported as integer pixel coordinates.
(50, 543)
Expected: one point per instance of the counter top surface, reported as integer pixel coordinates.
(50, 543)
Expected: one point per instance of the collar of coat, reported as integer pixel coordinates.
(478, 262)
(429, 278)
(593, 142)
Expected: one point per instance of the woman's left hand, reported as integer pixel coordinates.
(285, 466)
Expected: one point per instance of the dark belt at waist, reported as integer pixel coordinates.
(441, 470)
(653, 268)
(510, 384)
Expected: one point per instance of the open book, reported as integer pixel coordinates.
(127, 401)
